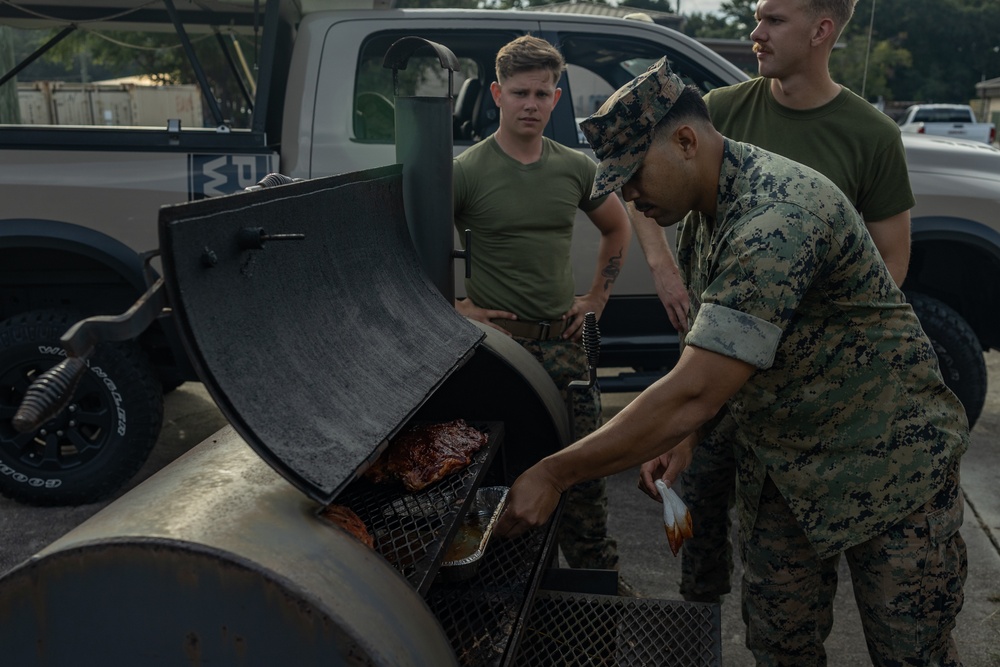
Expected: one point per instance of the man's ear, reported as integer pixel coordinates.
(556, 95)
(495, 90)
(687, 139)
(823, 31)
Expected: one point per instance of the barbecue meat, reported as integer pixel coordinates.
(345, 518)
(426, 453)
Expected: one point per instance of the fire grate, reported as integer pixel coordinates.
(484, 616)
(411, 530)
(575, 629)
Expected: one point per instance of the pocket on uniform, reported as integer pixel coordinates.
(942, 524)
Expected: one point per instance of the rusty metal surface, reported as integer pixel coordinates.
(215, 560)
(319, 349)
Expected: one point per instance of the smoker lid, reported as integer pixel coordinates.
(317, 349)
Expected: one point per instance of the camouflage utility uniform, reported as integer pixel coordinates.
(583, 535)
(858, 148)
(847, 438)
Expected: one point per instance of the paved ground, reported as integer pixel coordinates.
(636, 522)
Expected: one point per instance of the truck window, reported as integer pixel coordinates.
(942, 116)
(118, 78)
(473, 112)
(597, 65)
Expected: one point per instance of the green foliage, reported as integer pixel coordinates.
(734, 21)
(952, 44)
(847, 66)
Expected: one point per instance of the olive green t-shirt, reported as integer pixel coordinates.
(521, 217)
(847, 140)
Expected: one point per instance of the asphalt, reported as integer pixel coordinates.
(636, 522)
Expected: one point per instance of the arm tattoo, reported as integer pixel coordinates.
(611, 271)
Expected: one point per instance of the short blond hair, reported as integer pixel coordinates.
(526, 54)
(840, 11)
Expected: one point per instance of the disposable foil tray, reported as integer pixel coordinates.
(468, 546)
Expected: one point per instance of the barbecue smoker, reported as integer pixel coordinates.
(319, 329)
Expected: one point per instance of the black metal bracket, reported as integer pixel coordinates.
(199, 71)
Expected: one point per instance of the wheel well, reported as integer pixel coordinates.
(963, 274)
(36, 278)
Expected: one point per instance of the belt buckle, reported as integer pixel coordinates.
(544, 326)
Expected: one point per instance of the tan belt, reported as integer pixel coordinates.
(535, 330)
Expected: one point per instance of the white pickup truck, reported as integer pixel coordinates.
(955, 121)
(80, 203)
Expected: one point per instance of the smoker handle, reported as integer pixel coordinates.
(592, 346)
(52, 391)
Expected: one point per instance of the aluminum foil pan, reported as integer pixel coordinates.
(461, 559)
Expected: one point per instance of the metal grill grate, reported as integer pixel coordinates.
(411, 530)
(574, 629)
(484, 616)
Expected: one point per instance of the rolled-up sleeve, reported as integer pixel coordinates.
(735, 334)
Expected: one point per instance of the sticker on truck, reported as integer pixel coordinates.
(214, 175)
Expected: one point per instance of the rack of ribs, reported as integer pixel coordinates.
(425, 453)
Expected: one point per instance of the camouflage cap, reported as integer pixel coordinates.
(621, 130)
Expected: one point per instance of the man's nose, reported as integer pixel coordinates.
(629, 193)
(757, 34)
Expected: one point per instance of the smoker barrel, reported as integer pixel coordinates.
(214, 560)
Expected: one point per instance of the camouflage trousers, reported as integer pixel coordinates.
(908, 586)
(708, 488)
(583, 532)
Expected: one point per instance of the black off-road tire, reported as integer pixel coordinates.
(958, 350)
(102, 438)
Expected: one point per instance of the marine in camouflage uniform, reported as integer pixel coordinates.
(847, 439)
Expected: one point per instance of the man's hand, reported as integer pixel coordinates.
(673, 295)
(663, 267)
(575, 316)
(466, 308)
(530, 502)
(666, 467)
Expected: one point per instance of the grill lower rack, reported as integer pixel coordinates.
(577, 629)
(411, 530)
(483, 617)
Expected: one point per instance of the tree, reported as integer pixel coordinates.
(953, 45)
(734, 21)
(883, 61)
